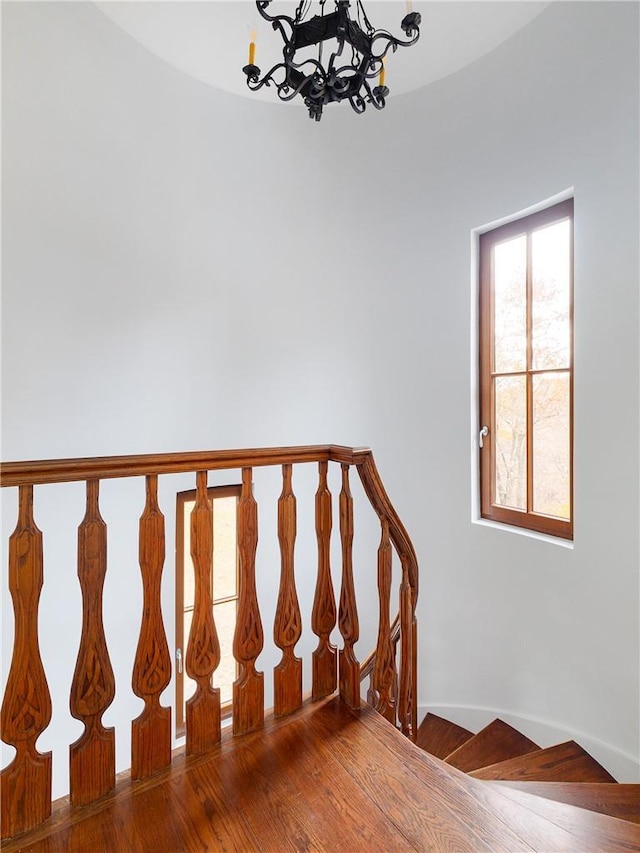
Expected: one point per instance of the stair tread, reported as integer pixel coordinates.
(617, 800)
(547, 825)
(440, 737)
(588, 827)
(494, 743)
(565, 762)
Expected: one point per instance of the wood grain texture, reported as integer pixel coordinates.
(383, 694)
(92, 762)
(248, 689)
(349, 668)
(565, 762)
(203, 649)
(151, 731)
(287, 628)
(616, 800)
(323, 616)
(440, 737)
(407, 697)
(496, 742)
(325, 780)
(433, 812)
(590, 830)
(107, 467)
(26, 708)
(317, 781)
(542, 834)
(381, 503)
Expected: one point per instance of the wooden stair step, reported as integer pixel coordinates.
(587, 827)
(547, 829)
(565, 762)
(621, 801)
(440, 737)
(496, 742)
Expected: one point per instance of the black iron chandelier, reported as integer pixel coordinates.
(355, 61)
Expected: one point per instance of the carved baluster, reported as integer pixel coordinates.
(26, 709)
(348, 616)
(384, 671)
(203, 649)
(248, 689)
(151, 731)
(406, 638)
(323, 617)
(288, 623)
(92, 766)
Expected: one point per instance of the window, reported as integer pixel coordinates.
(526, 372)
(224, 500)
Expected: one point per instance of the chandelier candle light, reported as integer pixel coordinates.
(357, 56)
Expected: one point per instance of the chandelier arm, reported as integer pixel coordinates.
(354, 75)
(288, 96)
(255, 83)
(377, 96)
(393, 42)
(285, 90)
(309, 61)
(358, 103)
(375, 67)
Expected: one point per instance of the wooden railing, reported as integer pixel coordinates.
(27, 707)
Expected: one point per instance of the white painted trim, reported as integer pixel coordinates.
(523, 531)
(624, 766)
(527, 211)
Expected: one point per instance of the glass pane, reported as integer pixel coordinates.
(224, 547)
(551, 448)
(189, 683)
(187, 561)
(510, 305)
(225, 674)
(551, 295)
(510, 434)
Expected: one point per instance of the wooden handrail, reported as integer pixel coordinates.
(381, 503)
(40, 471)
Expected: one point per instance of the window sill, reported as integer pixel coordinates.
(523, 531)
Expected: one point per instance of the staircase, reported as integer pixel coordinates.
(326, 774)
(550, 783)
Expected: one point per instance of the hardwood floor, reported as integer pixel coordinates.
(324, 779)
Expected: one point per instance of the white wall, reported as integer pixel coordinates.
(184, 269)
(508, 623)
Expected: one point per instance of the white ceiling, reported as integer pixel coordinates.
(209, 40)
